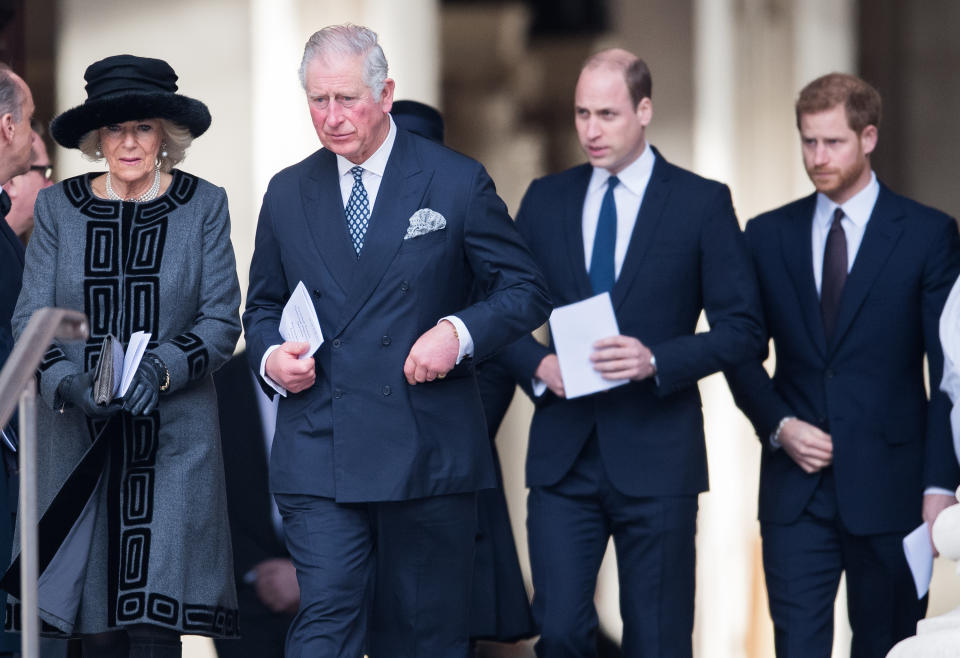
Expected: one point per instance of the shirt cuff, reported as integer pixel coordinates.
(775, 434)
(463, 335)
(263, 372)
(938, 490)
(539, 387)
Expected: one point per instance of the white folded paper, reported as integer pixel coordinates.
(126, 362)
(299, 322)
(575, 328)
(919, 553)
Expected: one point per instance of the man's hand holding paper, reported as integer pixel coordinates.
(291, 364)
(578, 329)
(622, 357)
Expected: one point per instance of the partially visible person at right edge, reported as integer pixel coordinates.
(852, 279)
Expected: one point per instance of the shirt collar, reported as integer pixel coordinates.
(634, 177)
(376, 163)
(857, 208)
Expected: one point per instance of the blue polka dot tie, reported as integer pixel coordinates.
(358, 210)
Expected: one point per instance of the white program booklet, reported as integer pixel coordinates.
(129, 361)
(919, 553)
(299, 322)
(575, 328)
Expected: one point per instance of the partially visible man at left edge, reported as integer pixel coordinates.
(380, 442)
(16, 138)
(23, 189)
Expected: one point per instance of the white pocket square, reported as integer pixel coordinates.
(424, 221)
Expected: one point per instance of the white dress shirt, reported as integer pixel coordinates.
(268, 424)
(373, 170)
(628, 196)
(856, 213)
(950, 339)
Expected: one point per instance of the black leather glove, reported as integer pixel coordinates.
(144, 391)
(78, 391)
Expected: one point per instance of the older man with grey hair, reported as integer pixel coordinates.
(380, 442)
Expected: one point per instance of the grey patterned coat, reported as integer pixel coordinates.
(148, 538)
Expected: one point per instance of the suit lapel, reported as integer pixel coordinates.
(401, 190)
(797, 249)
(573, 232)
(325, 219)
(648, 221)
(882, 232)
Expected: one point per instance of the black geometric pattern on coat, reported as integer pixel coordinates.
(142, 304)
(51, 356)
(130, 606)
(209, 619)
(163, 609)
(100, 296)
(182, 187)
(197, 356)
(134, 558)
(102, 252)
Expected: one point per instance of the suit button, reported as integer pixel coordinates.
(316, 293)
(385, 340)
(338, 394)
(387, 390)
(829, 374)
(336, 342)
(404, 286)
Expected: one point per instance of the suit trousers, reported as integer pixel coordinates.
(569, 525)
(387, 579)
(803, 561)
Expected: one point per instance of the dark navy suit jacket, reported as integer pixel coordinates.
(361, 433)
(686, 254)
(866, 386)
(11, 277)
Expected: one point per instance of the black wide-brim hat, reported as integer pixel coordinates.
(127, 88)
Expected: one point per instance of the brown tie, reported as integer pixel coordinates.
(834, 273)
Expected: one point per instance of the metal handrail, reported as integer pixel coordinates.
(18, 384)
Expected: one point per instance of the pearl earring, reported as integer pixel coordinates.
(163, 150)
(99, 152)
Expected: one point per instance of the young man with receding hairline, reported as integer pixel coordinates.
(629, 462)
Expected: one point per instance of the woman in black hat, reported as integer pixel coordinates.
(135, 545)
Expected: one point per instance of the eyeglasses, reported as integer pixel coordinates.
(46, 170)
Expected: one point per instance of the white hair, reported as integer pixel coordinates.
(348, 39)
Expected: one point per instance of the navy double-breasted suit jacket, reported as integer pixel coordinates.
(361, 433)
(865, 386)
(686, 254)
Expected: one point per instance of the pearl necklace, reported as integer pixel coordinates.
(149, 195)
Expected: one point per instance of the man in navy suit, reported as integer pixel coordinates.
(16, 141)
(267, 590)
(629, 462)
(380, 442)
(852, 280)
